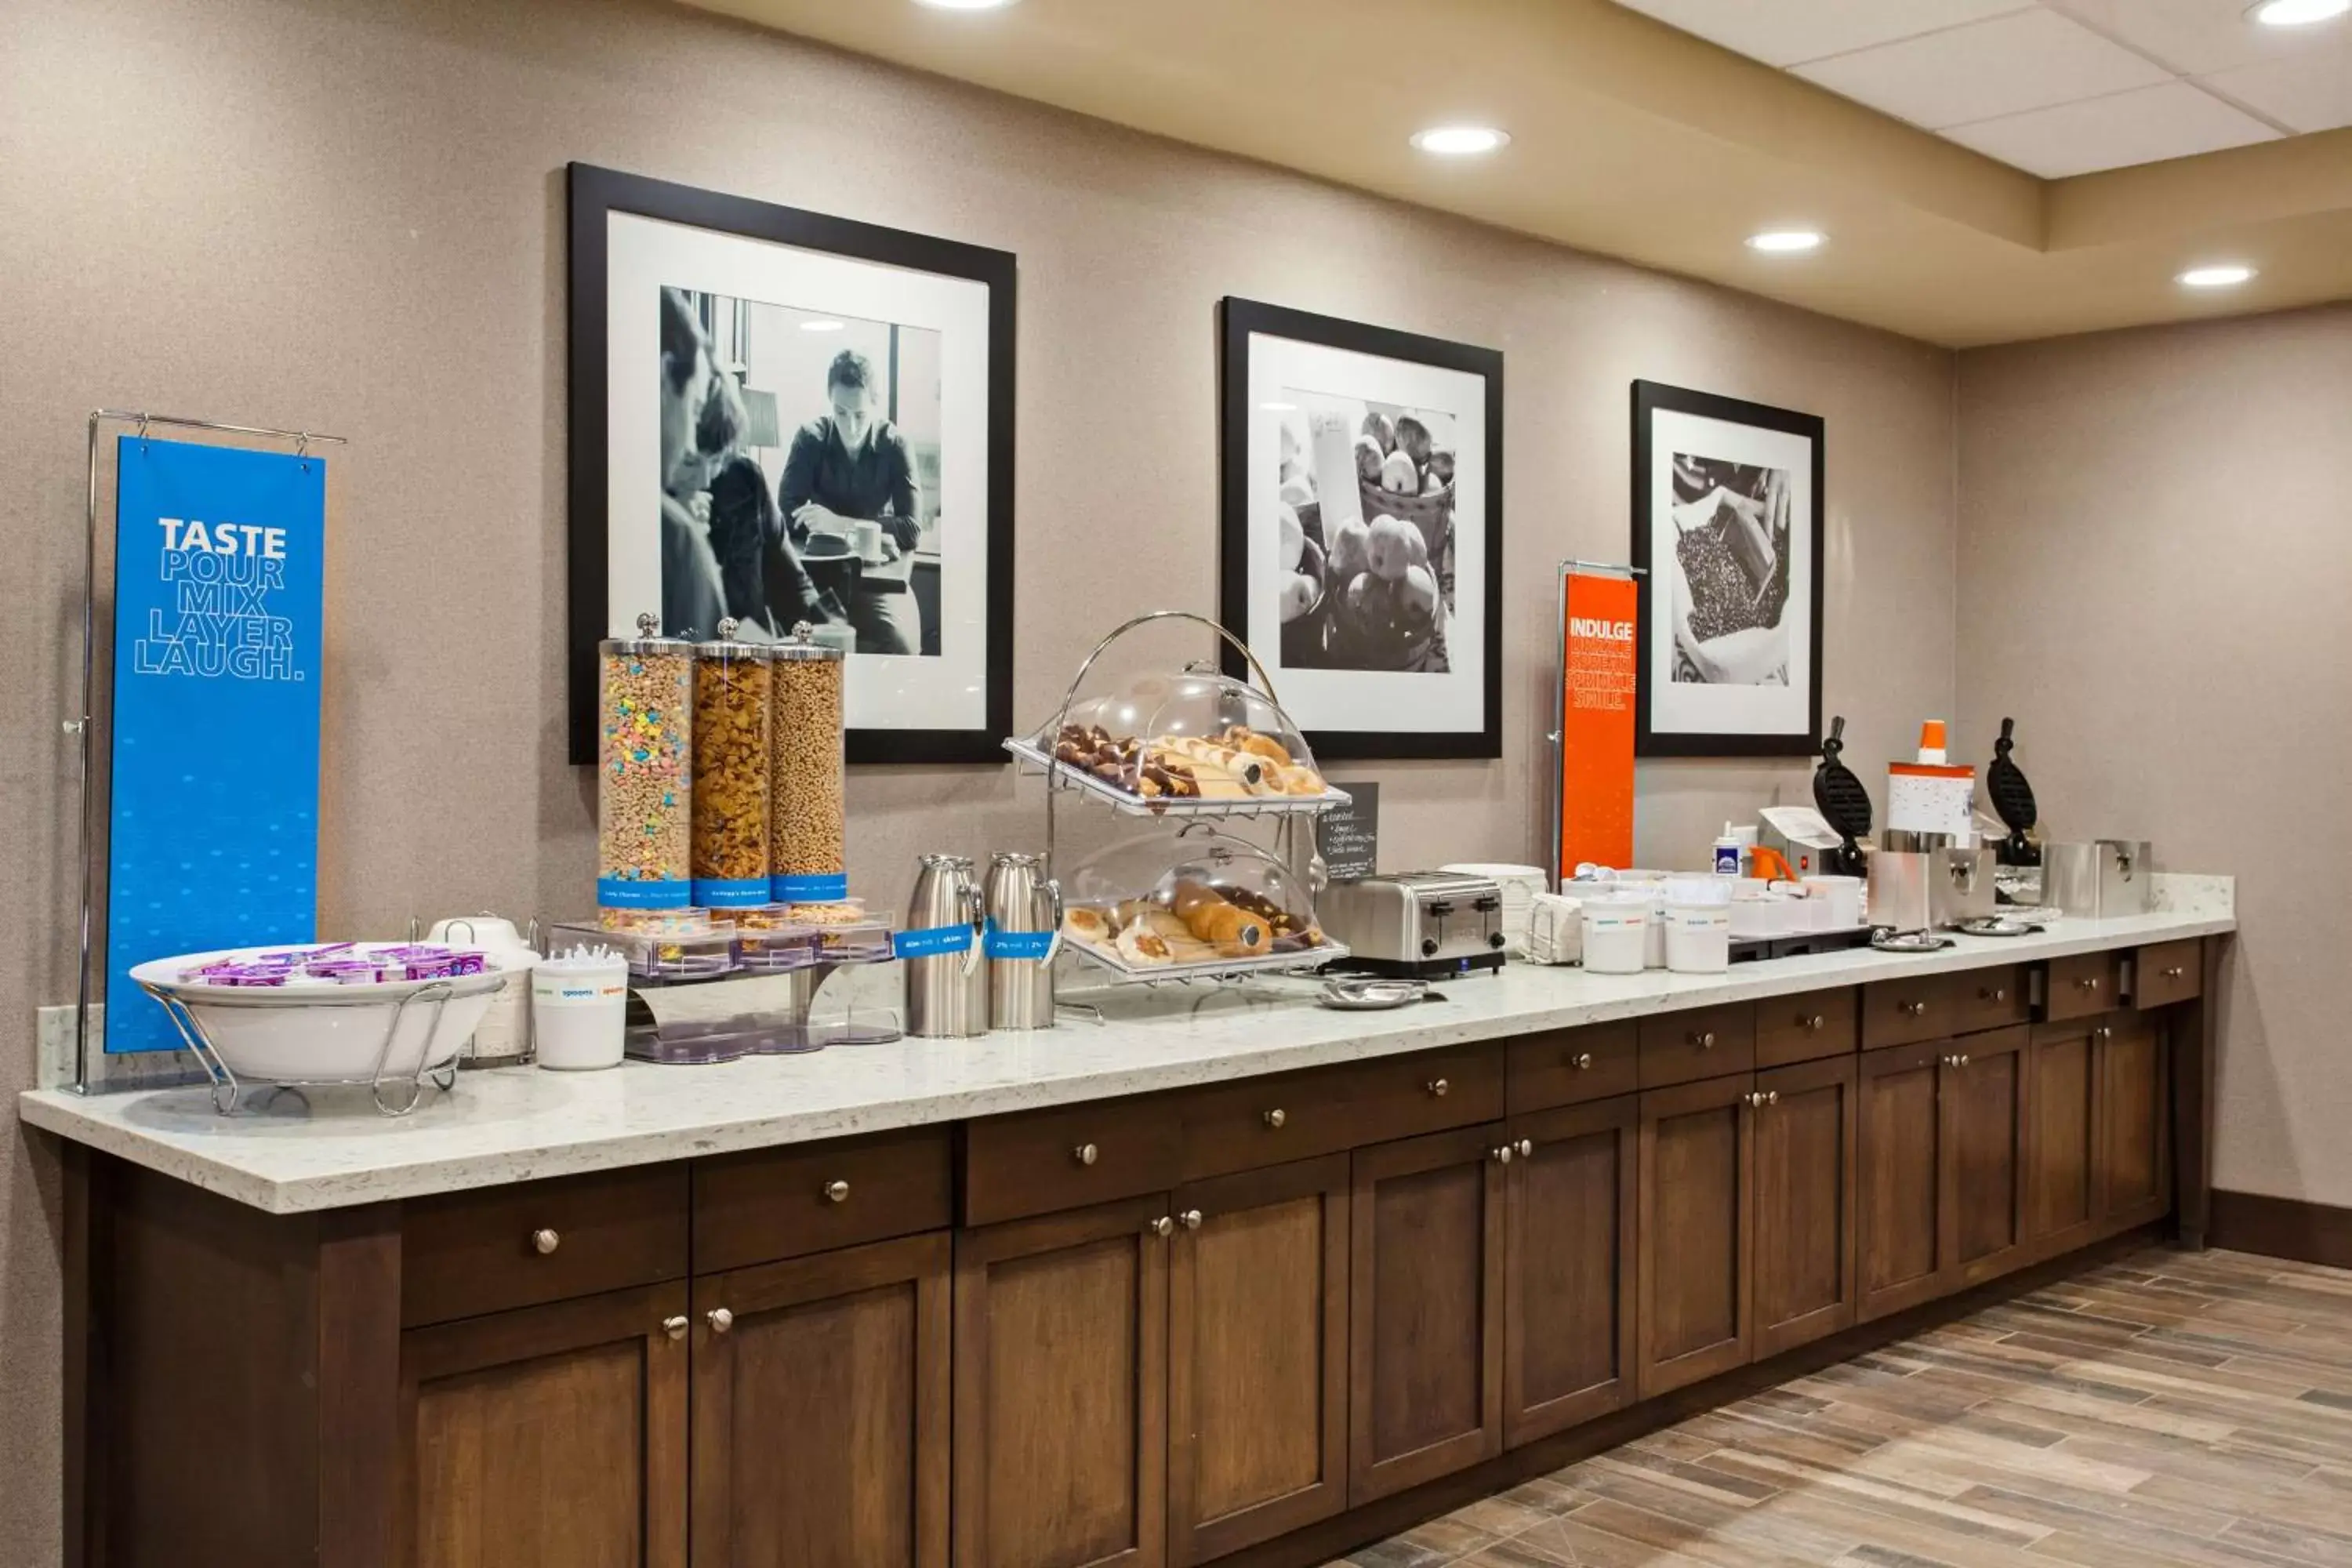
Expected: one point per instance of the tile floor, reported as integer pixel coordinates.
(2168, 1409)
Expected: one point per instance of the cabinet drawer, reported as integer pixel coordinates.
(2081, 987)
(1571, 1067)
(1805, 1028)
(1907, 1010)
(463, 1253)
(1042, 1161)
(1996, 998)
(1705, 1042)
(1254, 1123)
(773, 1204)
(2168, 972)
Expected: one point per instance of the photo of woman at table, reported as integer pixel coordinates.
(848, 466)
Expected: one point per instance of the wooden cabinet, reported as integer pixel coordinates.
(1805, 1028)
(1697, 1232)
(1987, 1114)
(1061, 1377)
(821, 1411)
(2083, 987)
(1257, 1358)
(553, 1434)
(1806, 1126)
(2166, 973)
(2062, 1196)
(1900, 1198)
(1425, 1308)
(1569, 1291)
(2133, 1165)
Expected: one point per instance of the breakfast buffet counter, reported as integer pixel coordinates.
(523, 1124)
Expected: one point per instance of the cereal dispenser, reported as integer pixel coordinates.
(806, 751)
(733, 701)
(643, 772)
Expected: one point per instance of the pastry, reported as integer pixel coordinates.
(1142, 947)
(1086, 925)
(1211, 918)
(1241, 738)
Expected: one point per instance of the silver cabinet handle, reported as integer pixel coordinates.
(674, 1326)
(1527, 1148)
(1964, 1058)
(1163, 1226)
(1993, 994)
(1914, 1009)
(1705, 1042)
(1581, 1061)
(1816, 1023)
(2104, 1032)
(1772, 1097)
(544, 1242)
(1755, 1102)
(837, 1192)
(2175, 972)
(2088, 983)
(1952, 1061)
(1502, 1154)
(1438, 1086)
(1192, 1218)
(1086, 1154)
(1274, 1118)
(721, 1320)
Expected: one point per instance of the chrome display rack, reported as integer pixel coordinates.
(228, 1089)
(1293, 816)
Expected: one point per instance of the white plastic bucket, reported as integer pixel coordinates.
(1843, 897)
(1699, 938)
(579, 1008)
(1616, 936)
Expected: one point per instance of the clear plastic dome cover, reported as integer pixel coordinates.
(1221, 900)
(1190, 736)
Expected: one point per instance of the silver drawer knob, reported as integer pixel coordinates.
(1526, 1146)
(2175, 972)
(837, 1192)
(1755, 1102)
(674, 1326)
(1163, 1226)
(544, 1242)
(1086, 1154)
(721, 1320)
(1914, 1009)
(2088, 983)
(1771, 1097)
(1190, 1219)
(1581, 1061)
(1816, 1023)
(1438, 1086)
(1274, 1118)
(1502, 1154)
(1993, 994)
(1705, 1042)
(2105, 1032)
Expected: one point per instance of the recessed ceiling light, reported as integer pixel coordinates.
(2228, 276)
(821, 326)
(1782, 241)
(1460, 141)
(965, 5)
(2297, 13)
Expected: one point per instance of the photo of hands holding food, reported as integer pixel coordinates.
(1728, 575)
(1365, 514)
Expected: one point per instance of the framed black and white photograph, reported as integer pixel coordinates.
(781, 418)
(1727, 538)
(1361, 552)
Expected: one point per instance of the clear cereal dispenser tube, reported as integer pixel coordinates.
(805, 805)
(733, 709)
(645, 772)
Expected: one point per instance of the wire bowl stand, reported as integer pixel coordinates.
(383, 1087)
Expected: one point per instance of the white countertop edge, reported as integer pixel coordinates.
(285, 1166)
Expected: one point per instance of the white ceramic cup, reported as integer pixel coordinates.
(579, 1009)
(867, 535)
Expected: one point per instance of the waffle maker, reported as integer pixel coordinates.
(1844, 804)
(2012, 799)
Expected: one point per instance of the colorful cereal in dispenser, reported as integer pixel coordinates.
(732, 699)
(806, 777)
(644, 775)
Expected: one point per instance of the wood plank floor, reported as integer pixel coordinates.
(2174, 1408)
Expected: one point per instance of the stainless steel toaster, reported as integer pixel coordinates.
(1429, 924)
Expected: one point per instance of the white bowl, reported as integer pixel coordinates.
(325, 1034)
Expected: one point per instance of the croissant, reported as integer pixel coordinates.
(1243, 738)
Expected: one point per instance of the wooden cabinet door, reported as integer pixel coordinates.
(1804, 1264)
(1257, 1357)
(2062, 1188)
(1425, 1308)
(1988, 1111)
(1697, 1231)
(1061, 1379)
(2134, 1162)
(1569, 1286)
(821, 1410)
(1900, 1198)
(553, 1434)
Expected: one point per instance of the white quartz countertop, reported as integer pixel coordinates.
(521, 1124)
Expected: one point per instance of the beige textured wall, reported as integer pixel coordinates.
(2155, 563)
(347, 215)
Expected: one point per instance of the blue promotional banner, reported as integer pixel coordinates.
(219, 598)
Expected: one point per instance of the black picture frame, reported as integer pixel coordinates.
(1649, 399)
(594, 193)
(1240, 319)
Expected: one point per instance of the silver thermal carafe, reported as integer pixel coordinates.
(1024, 928)
(946, 979)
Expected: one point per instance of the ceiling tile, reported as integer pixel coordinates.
(2006, 66)
(2193, 36)
(2143, 126)
(1787, 31)
(2310, 91)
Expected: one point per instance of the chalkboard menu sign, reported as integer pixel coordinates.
(1350, 836)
